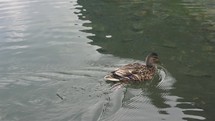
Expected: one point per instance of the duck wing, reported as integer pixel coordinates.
(127, 73)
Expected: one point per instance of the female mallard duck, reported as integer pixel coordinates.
(135, 72)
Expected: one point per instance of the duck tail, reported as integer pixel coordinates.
(111, 78)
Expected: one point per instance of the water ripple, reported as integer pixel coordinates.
(44, 40)
(14, 47)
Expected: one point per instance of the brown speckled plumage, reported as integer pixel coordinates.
(136, 71)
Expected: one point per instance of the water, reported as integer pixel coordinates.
(54, 55)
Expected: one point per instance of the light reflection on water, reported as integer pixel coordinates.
(49, 71)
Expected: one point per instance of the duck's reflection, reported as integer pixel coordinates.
(154, 101)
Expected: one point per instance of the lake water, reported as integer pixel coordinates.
(55, 53)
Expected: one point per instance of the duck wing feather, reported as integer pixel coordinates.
(130, 72)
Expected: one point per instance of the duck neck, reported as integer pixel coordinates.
(148, 64)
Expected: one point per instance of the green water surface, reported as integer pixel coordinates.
(55, 53)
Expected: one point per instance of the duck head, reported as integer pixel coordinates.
(152, 59)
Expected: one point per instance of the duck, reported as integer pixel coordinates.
(135, 72)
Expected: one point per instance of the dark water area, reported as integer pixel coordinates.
(182, 32)
(54, 55)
